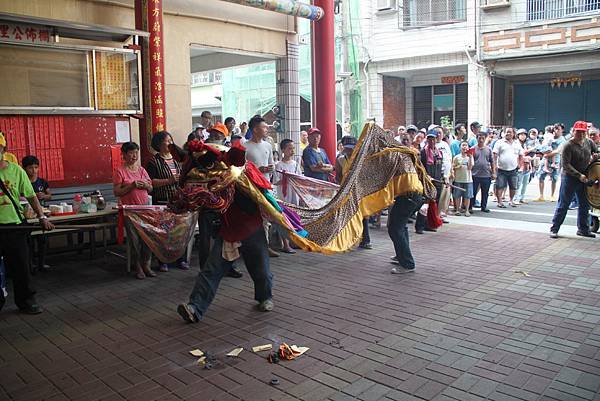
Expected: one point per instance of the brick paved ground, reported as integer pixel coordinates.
(465, 326)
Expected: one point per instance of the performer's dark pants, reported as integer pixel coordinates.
(570, 186)
(484, 183)
(403, 208)
(15, 249)
(254, 251)
(366, 238)
(206, 232)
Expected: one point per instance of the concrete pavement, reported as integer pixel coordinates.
(498, 314)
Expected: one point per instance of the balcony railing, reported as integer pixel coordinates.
(420, 13)
(554, 9)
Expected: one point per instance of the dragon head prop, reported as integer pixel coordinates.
(208, 175)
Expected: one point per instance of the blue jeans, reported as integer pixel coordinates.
(366, 238)
(255, 253)
(522, 182)
(570, 186)
(404, 206)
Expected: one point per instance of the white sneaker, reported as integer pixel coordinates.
(266, 306)
(401, 270)
(553, 234)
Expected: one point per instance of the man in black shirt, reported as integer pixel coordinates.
(31, 165)
(576, 157)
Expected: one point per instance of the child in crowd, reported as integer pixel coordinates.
(547, 164)
(462, 164)
(31, 165)
(288, 195)
(289, 165)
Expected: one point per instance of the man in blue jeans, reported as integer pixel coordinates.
(242, 223)
(404, 207)
(576, 157)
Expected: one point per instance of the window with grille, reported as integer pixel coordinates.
(553, 9)
(419, 13)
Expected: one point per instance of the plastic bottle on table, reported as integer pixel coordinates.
(77, 203)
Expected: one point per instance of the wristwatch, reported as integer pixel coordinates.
(43, 217)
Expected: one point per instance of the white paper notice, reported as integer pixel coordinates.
(123, 134)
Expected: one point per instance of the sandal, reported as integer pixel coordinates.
(140, 275)
(290, 251)
(502, 205)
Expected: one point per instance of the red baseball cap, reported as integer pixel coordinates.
(580, 126)
(313, 131)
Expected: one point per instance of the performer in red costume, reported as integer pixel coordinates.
(208, 181)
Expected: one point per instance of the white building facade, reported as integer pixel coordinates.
(492, 61)
(544, 60)
(421, 63)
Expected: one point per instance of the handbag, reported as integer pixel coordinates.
(7, 193)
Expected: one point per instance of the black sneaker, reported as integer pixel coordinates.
(187, 313)
(234, 272)
(586, 234)
(366, 246)
(394, 258)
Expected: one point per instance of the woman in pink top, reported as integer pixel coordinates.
(131, 185)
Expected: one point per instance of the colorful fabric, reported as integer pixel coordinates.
(312, 193)
(379, 171)
(167, 234)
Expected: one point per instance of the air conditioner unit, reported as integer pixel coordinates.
(385, 5)
(492, 4)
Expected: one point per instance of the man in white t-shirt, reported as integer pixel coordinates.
(444, 147)
(258, 150)
(506, 157)
(401, 132)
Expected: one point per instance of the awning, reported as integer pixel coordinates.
(69, 29)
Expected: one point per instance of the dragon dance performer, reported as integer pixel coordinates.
(576, 157)
(208, 178)
(216, 179)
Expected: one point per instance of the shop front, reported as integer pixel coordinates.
(69, 94)
(533, 93)
(565, 100)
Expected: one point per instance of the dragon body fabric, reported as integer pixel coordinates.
(379, 170)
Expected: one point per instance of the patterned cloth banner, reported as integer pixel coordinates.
(167, 234)
(312, 193)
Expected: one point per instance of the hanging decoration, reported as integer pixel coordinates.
(564, 81)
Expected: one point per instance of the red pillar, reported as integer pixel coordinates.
(323, 77)
(149, 17)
